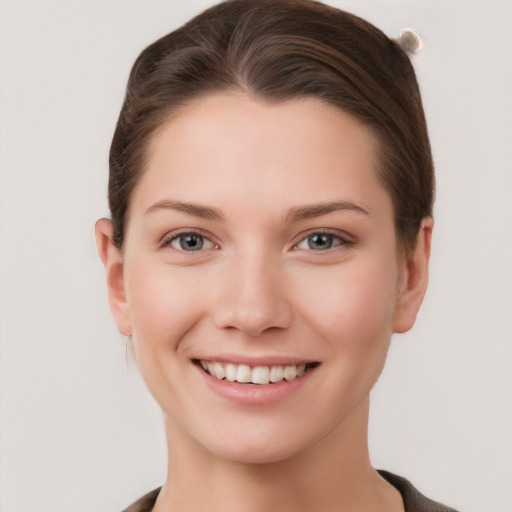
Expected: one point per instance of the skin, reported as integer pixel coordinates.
(259, 289)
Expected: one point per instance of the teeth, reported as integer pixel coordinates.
(243, 373)
(219, 371)
(231, 372)
(261, 375)
(276, 374)
(290, 372)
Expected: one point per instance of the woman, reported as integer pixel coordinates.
(271, 190)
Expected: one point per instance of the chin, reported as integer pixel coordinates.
(269, 453)
(258, 445)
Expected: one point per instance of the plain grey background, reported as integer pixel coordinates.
(78, 431)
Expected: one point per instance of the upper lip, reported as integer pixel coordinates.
(256, 360)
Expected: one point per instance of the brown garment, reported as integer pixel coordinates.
(413, 500)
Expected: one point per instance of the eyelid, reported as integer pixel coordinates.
(345, 238)
(166, 240)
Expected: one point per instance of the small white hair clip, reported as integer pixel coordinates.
(410, 41)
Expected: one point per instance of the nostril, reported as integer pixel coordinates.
(255, 321)
(252, 299)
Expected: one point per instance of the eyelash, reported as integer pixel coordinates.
(168, 240)
(338, 240)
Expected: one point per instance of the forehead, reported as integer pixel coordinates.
(229, 145)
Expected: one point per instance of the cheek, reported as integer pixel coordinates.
(357, 316)
(163, 304)
(354, 306)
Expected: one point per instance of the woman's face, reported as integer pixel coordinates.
(260, 245)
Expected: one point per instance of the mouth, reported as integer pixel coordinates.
(260, 375)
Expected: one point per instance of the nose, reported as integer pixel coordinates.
(253, 297)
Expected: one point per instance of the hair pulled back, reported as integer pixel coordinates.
(276, 50)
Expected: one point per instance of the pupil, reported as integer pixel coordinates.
(191, 242)
(320, 241)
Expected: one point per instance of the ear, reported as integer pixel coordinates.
(112, 259)
(414, 280)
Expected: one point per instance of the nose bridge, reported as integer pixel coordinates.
(253, 298)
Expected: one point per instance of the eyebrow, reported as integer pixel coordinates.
(292, 215)
(204, 212)
(317, 210)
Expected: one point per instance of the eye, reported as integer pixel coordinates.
(322, 241)
(188, 241)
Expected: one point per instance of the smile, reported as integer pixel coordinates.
(245, 374)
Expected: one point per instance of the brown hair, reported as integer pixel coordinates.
(277, 50)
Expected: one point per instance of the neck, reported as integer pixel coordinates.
(333, 475)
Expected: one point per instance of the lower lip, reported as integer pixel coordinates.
(254, 394)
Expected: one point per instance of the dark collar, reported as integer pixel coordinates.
(413, 500)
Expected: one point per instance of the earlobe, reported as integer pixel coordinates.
(415, 280)
(112, 260)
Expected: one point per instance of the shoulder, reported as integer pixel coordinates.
(413, 500)
(144, 504)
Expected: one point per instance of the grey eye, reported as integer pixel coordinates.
(190, 241)
(320, 241)
(323, 241)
